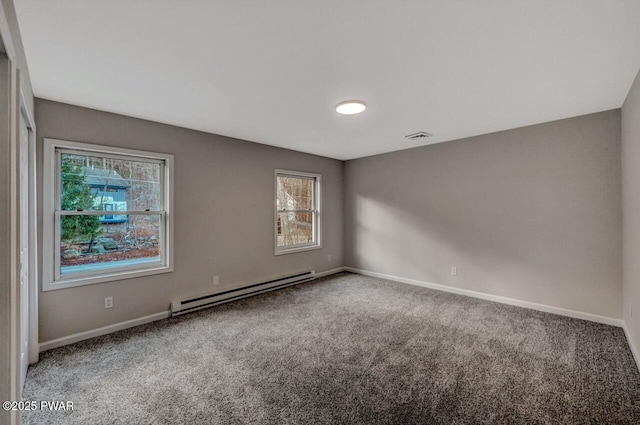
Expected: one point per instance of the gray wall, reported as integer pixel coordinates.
(631, 211)
(223, 216)
(532, 213)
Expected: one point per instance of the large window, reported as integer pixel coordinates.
(297, 215)
(106, 214)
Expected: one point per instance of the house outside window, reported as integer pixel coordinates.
(107, 214)
(297, 211)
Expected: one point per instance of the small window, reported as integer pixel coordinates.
(297, 215)
(106, 214)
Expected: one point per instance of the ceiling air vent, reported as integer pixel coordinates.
(419, 135)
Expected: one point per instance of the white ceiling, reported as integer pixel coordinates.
(271, 71)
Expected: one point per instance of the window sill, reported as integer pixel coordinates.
(107, 277)
(283, 251)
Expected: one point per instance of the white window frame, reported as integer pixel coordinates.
(317, 243)
(52, 279)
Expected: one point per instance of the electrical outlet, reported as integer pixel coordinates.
(454, 271)
(216, 280)
(108, 302)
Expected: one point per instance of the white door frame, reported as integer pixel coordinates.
(34, 288)
(23, 241)
(11, 87)
(26, 238)
(9, 125)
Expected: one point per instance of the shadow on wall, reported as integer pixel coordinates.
(388, 232)
(525, 217)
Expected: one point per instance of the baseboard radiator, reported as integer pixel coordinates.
(187, 305)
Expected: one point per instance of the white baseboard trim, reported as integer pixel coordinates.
(496, 298)
(80, 336)
(70, 339)
(634, 349)
(330, 272)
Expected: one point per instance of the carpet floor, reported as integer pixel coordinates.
(346, 349)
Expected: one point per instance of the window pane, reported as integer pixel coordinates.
(295, 228)
(98, 183)
(88, 244)
(295, 193)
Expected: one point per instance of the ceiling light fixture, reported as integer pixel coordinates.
(350, 107)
